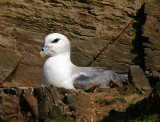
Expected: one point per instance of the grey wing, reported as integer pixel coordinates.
(81, 81)
(100, 76)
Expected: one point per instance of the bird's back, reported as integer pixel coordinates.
(100, 76)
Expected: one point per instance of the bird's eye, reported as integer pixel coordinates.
(56, 40)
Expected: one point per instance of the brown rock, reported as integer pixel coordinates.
(103, 89)
(138, 78)
(91, 87)
(156, 74)
(115, 84)
(44, 103)
(78, 102)
(91, 26)
(128, 89)
(154, 98)
(9, 61)
(15, 108)
(29, 76)
(101, 32)
(151, 31)
(123, 88)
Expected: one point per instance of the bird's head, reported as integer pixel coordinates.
(55, 44)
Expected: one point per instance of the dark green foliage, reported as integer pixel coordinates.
(142, 117)
(107, 102)
(59, 119)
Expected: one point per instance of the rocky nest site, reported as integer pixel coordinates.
(122, 35)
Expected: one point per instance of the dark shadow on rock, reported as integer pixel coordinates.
(138, 41)
(153, 80)
(1, 111)
(44, 104)
(141, 43)
(52, 100)
(141, 110)
(132, 113)
(26, 109)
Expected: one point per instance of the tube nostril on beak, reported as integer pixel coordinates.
(44, 48)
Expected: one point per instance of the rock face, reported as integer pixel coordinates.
(9, 62)
(138, 78)
(40, 104)
(108, 33)
(102, 33)
(154, 98)
(151, 32)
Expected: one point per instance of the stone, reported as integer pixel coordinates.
(107, 33)
(124, 88)
(91, 26)
(156, 74)
(151, 33)
(48, 103)
(78, 103)
(91, 87)
(138, 79)
(128, 89)
(28, 103)
(102, 33)
(103, 89)
(154, 98)
(115, 84)
(9, 61)
(27, 76)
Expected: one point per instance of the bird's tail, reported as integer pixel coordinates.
(122, 76)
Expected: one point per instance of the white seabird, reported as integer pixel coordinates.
(58, 70)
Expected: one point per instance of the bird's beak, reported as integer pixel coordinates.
(44, 51)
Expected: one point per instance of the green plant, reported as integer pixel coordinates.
(59, 119)
(153, 117)
(107, 102)
(142, 117)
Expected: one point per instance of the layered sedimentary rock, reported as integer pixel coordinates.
(40, 104)
(151, 32)
(102, 33)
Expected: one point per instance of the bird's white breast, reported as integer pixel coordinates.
(57, 71)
